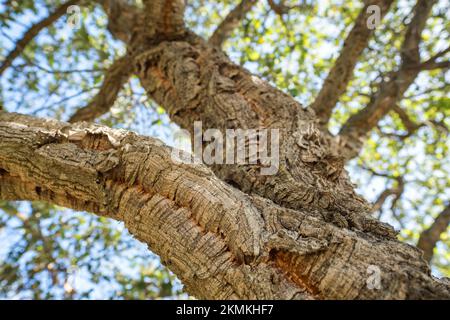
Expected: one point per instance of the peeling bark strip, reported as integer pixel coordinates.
(32, 32)
(219, 241)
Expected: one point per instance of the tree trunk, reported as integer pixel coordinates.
(226, 231)
(221, 242)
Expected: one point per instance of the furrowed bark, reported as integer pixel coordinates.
(281, 8)
(432, 235)
(115, 78)
(341, 73)
(231, 21)
(391, 89)
(219, 241)
(32, 32)
(196, 82)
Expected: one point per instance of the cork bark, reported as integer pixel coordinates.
(221, 242)
(226, 231)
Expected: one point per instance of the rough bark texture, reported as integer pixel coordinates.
(196, 82)
(359, 125)
(228, 232)
(121, 14)
(219, 241)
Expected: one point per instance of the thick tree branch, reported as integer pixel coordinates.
(231, 22)
(115, 78)
(396, 191)
(194, 81)
(340, 75)
(123, 19)
(432, 235)
(409, 124)
(32, 32)
(220, 242)
(280, 8)
(410, 50)
(433, 63)
(165, 17)
(392, 88)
